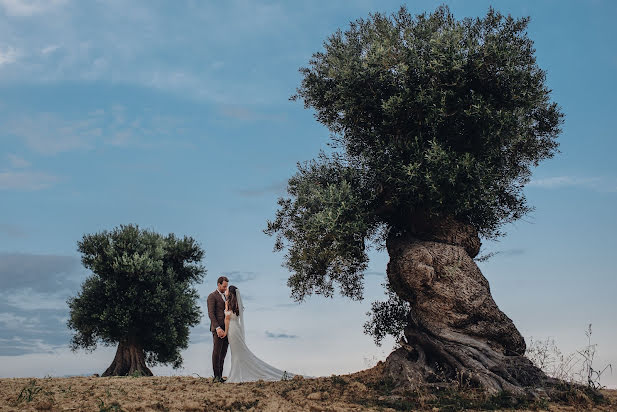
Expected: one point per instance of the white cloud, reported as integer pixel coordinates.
(61, 361)
(17, 345)
(8, 55)
(96, 69)
(280, 335)
(26, 180)
(217, 65)
(30, 300)
(237, 276)
(181, 81)
(200, 61)
(17, 176)
(12, 321)
(33, 281)
(244, 113)
(17, 162)
(601, 184)
(48, 134)
(24, 8)
(49, 49)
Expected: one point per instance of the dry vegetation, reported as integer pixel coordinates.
(360, 391)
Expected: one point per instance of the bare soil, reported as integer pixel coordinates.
(365, 390)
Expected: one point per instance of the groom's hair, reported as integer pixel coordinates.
(222, 279)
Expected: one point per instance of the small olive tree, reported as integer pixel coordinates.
(140, 297)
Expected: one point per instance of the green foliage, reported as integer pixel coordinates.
(136, 374)
(337, 380)
(428, 114)
(326, 226)
(33, 391)
(141, 289)
(222, 405)
(113, 407)
(387, 318)
(28, 392)
(580, 396)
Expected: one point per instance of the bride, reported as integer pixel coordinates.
(245, 366)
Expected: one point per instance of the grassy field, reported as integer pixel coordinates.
(364, 390)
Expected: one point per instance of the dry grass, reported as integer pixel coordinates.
(364, 390)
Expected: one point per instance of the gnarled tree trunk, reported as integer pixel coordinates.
(128, 360)
(455, 330)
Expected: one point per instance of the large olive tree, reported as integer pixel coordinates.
(436, 124)
(140, 296)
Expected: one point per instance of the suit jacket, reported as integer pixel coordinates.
(216, 311)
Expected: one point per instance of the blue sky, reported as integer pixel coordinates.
(175, 116)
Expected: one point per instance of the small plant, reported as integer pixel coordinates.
(462, 381)
(371, 361)
(588, 374)
(136, 374)
(28, 392)
(67, 390)
(547, 356)
(242, 405)
(384, 385)
(220, 405)
(201, 378)
(337, 380)
(286, 376)
(161, 407)
(114, 406)
(288, 387)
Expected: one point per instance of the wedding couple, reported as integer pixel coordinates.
(227, 326)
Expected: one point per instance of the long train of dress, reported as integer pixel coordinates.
(245, 366)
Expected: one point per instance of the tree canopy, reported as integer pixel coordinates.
(141, 290)
(428, 115)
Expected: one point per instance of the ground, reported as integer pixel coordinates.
(364, 390)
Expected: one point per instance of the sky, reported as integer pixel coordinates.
(176, 116)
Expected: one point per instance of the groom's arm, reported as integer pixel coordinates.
(211, 315)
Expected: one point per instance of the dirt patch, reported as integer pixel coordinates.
(365, 390)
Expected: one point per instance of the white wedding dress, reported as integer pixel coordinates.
(245, 366)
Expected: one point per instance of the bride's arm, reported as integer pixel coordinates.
(227, 316)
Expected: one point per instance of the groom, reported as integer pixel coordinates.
(216, 312)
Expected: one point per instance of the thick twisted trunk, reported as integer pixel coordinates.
(129, 359)
(455, 328)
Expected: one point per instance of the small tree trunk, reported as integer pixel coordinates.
(128, 360)
(455, 330)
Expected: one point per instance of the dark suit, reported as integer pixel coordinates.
(216, 313)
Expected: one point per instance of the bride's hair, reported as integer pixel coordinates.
(233, 300)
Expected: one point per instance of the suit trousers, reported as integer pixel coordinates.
(219, 351)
